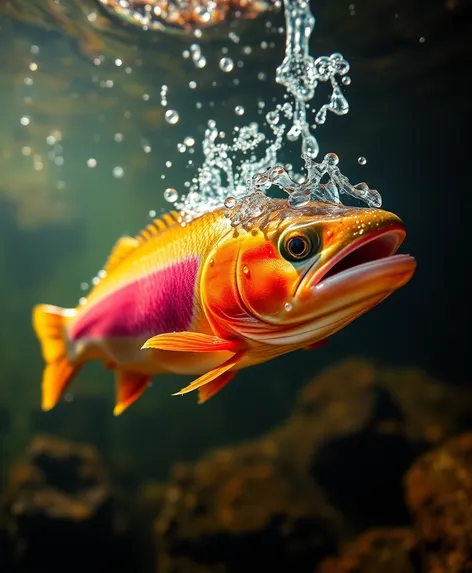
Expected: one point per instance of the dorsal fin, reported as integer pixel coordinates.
(123, 247)
(157, 226)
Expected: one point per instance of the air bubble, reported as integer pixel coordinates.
(171, 195)
(226, 64)
(171, 116)
(239, 110)
(362, 161)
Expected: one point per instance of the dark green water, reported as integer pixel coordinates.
(409, 117)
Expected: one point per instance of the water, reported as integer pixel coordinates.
(230, 168)
(84, 99)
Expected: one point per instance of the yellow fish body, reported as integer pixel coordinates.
(206, 300)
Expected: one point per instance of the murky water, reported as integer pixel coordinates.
(102, 128)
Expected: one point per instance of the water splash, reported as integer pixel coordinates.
(244, 168)
(256, 202)
(300, 74)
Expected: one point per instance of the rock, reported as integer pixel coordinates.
(334, 468)
(227, 510)
(61, 513)
(439, 494)
(373, 424)
(377, 551)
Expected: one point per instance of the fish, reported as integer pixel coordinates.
(203, 298)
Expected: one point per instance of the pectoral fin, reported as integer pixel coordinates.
(212, 376)
(209, 390)
(129, 387)
(191, 342)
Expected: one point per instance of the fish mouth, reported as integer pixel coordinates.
(354, 280)
(359, 256)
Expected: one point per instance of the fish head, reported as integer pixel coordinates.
(301, 274)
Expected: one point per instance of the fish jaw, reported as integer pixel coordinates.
(336, 293)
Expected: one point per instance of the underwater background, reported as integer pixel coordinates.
(316, 445)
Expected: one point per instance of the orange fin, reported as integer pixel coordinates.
(209, 390)
(317, 344)
(212, 375)
(129, 387)
(123, 247)
(49, 323)
(191, 342)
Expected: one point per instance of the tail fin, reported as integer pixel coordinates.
(49, 323)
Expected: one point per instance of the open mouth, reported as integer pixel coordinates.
(363, 253)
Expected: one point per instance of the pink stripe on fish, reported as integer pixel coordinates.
(159, 302)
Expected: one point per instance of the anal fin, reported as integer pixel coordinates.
(129, 387)
(209, 390)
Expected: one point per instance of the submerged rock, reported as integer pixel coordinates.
(334, 468)
(439, 494)
(377, 551)
(61, 513)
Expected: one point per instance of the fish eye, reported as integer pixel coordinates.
(298, 247)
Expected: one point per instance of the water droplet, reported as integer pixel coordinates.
(171, 195)
(331, 159)
(298, 200)
(239, 110)
(362, 161)
(171, 116)
(310, 146)
(246, 271)
(226, 64)
(288, 307)
(189, 141)
(293, 133)
(230, 202)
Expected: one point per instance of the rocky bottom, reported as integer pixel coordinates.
(372, 473)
